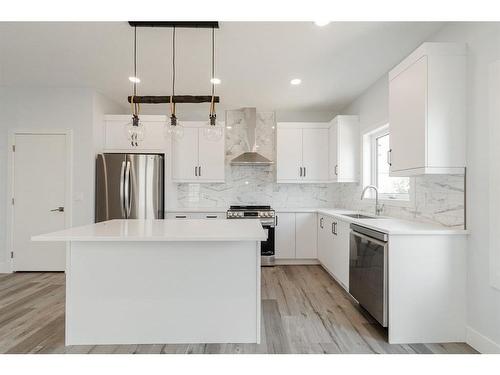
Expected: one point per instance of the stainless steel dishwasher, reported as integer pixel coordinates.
(368, 267)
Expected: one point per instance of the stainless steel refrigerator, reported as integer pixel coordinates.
(129, 186)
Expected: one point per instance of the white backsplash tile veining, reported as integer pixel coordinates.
(438, 199)
(252, 184)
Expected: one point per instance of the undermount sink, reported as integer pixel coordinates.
(360, 216)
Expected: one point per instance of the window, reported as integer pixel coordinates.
(376, 167)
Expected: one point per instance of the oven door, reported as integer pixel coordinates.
(267, 247)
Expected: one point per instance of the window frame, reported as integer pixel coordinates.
(369, 167)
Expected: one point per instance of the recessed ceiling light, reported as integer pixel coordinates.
(321, 23)
(296, 81)
(134, 79)
(215, 81)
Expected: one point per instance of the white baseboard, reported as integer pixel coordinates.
(481, 343)
(5, 267)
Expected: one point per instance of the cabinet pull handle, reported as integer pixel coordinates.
(336, 170)
(199, 171)
(276, 224)
(321, 222)
(196, 171)
(300, 171)
(211, 216)
(180, 216)
(334, 228)
(305, 169)
(389, 157)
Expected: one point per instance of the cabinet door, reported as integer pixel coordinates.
(315, 154)
(340, 250)
(408, 116)
(185, 156)
(327, 244)
(306, 236)
(285, 236)
(211, 155)
(288, 154)
(333, 152)
(321, 239)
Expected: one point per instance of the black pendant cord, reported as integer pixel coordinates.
(212, 104)
(173, 120)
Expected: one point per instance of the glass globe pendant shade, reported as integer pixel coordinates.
(213, 132)
(135, 131)
(173, 128)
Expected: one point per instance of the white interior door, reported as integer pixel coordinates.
(39, 189)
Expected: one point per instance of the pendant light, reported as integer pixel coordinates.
(134, 130)
(213, 131)
(173, 128)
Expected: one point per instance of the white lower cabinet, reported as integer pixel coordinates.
(196, 215)
(296, 236)
(306, 236)
(333, 247)
(285, 236)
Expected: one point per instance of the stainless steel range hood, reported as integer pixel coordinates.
(251, 157)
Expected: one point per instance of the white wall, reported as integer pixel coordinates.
(54, 108)
(483, 311)
(483, 39)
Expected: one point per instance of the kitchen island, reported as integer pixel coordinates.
(162, 281)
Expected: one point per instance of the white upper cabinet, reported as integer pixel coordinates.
(302, 152)
(344, 149)
(289, 154)
(115, 136)
(185, 156)
(427, 111)
(195, 158)
(315, 154)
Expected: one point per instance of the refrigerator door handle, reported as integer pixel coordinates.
(127, 190)
(122, 187)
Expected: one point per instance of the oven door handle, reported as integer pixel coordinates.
(368, 238)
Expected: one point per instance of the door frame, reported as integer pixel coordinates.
(68, 208)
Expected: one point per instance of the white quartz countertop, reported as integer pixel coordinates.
(393, 226)
(162, 230)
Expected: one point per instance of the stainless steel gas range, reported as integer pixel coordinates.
(267, 217)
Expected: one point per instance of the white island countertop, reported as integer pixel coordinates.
(162, 231)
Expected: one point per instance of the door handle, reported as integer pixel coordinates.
(58, 209)
(127, 190)
(122, 190)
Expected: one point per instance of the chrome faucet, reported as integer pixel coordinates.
(378, 208)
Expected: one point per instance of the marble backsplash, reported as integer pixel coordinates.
(252, 184)
(439, 199)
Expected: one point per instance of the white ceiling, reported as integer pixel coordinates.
(255, 60)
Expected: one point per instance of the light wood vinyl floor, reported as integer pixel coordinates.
(303, 311)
